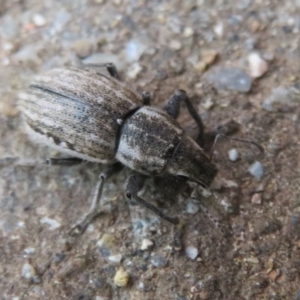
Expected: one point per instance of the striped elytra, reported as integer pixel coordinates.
(78, 112)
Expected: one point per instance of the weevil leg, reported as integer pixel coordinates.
(173, 109)
(110, 67)
(112, 70)
(69, 161)
(95, 208)
(16, 161)
(134, 185)
(146, 96)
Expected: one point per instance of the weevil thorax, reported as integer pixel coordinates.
(147, 141)
(190, 162)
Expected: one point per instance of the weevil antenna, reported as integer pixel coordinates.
(219, 135)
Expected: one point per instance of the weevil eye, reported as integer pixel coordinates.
(181, 178)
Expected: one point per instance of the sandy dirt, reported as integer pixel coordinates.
(158, 46)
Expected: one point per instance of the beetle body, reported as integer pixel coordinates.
(97, 118)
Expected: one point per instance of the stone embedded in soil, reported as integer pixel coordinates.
(175, 45)
(192, 207)
(208, 103)
(233, 154)
(146, 244)
(29, 273)
(134, 70)
(135, 48)
(188, 32)
(209, 56)
(257, 66)
(158, 261)
(230, 79)
(82, 48)
(281, 96)
(39, 20)
(191, 252)
(256, 198)
(51, 222)
(121, 278)
(257, 170)
(115, 258)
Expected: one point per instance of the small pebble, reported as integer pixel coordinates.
(230, 78)
(135, 48)
(256, 198)
(29, 250)
(39, 20)
(51, 222)
(250, 43)
(192, 207)
(188, 32)
(257, 66)
(255, 26)
(158, 261)
(175, 45)
(209, 56)
(177, 64)
(233, 154)
(257, 170)
(141, 286)
(208, 103)
(134, 70)
(121, 278)
(251, 259)
(115, 258)
(200, 66)
(107, 241)
(191, 252)
(219, 29)
(82, 48)
(146, 244)
(281, 96)
(29, 273)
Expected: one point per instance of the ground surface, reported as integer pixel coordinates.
(158, 46)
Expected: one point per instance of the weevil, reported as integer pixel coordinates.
(97, 118)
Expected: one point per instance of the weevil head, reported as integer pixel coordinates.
(190, 163)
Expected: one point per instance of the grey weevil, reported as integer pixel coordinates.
(97, 118)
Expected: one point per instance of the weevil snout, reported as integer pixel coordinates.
(190, 163)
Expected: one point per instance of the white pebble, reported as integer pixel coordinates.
(233, 154)
(188, 32)
(192, 207)
(39, 20)
(51, 222)
(256, 198)
(191, 252)
(146, 244)
(29, 273)
(175, 45)
(219, 29)
(134, 70)
(208, 104)
(29, 250)
(257, 170)
(115, 258)
(257, 66)
(135, 49)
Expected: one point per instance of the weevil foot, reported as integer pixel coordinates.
(80, 227)
(177, 234)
